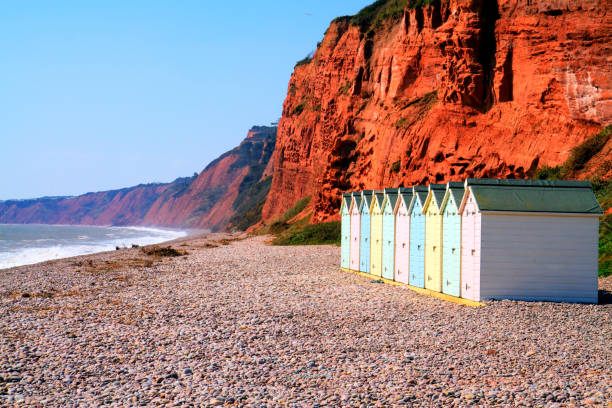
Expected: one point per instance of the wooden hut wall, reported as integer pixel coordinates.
(364, 247)
(417, 244)
(402, 241)
(388, 247)
(376, 220)
(345, 232)
(433, 244)
(355, 233)
(451, 242)
(470, 249)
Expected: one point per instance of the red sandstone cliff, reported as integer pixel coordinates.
(205, 201)
(455, 89)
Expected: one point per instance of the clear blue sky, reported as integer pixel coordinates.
(96, 95)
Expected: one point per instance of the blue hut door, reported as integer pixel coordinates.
(417, 247)
(451, 251)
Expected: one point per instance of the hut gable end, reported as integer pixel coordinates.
(403, 203)
(366, 202)
(466, 199)
(355, 205)
(346, 202)
(452, 198)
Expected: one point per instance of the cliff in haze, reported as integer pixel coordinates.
(411, 92)
(207, 200)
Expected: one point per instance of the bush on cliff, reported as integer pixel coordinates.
(582, 153)
(281, 224)
(605, 246)
(372, 16)
(300, 232)
(298, 109)
(304, 61)
(603, 192)
(248, 206)
(578, 158)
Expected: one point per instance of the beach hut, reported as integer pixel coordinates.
(451, 238)
(433, 237)
(355, 230)
(345, 227)
(402, 235)
(388, 232)
(364, 247)
(417, 237)
(529, 240)
(376, 224)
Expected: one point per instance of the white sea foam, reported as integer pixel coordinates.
(29, 256)
(70, 241)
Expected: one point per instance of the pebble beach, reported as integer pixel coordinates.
(237, 322)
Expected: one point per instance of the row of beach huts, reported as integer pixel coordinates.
(479, 239)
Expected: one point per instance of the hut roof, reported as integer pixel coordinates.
(392, 198)
(437, 192)
(379, 197)
(456, 190)
(406, 197)
(366, 199)
(528, 183)
(419, 193)
(557, 196)
(346, 201)
(356, 200)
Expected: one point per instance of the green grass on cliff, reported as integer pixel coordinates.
(253, 189)
(374, 15)
(281, 224)
(603, 192)
(314, 234)
(605, 246)
(301, 232)
(248, 206)
(304, 61)
(578, 158)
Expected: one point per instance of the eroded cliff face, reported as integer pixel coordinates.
(203, 201)
(459, 88)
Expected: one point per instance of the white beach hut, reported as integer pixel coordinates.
(529, 240)
(355, 215)
(345, 249)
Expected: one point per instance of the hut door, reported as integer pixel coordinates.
(468, 252)
(388, 242)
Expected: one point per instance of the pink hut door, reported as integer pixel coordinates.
(355, 239)
(470, 252)
(402, 244)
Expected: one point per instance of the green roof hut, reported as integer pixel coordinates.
(529, 240)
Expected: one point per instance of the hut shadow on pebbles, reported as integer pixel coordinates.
(605, 297)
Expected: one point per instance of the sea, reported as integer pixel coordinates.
(28, 244)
